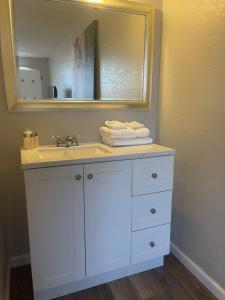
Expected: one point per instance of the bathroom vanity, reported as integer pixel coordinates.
(96, 213)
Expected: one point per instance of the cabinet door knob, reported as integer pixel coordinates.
(153, 211)
(154, 175)
(90, 176)
(152, 244)
(78, 177)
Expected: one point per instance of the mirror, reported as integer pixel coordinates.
(70, 54)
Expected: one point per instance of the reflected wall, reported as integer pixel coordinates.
(68, 51)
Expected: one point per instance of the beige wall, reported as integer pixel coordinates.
(3, 257)
(192, 120)
(46, 124)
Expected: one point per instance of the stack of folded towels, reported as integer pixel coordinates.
(116, 133)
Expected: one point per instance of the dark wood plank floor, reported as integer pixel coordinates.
(171, 282)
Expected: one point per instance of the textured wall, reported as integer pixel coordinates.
(192, 112)
(120, 50)
(46, 124)
(121, 47)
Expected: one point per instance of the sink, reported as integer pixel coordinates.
(56, 153)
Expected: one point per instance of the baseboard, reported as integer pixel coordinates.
(202, 276)
(7, 283)
(19, 261)
(14, 262)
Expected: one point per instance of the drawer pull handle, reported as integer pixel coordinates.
(153, 211)
(90, 176)
(154, 175)
(78, 177)
(152, 244)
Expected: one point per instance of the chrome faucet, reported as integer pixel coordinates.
(69, 141)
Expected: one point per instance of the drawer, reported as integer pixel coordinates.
(152, 175)
(150, 243)
(151, 210)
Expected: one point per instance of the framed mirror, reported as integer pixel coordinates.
(77, 55)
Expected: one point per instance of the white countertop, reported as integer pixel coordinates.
(30, 159)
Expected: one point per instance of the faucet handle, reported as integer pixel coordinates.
(59, 141)
(75, 140)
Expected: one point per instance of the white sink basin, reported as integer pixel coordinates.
(56, 153)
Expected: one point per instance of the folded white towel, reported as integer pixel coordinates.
(126, 142)
(134, 125)
(115, 125)
(118, 134)
(142, 132)
(124, 133)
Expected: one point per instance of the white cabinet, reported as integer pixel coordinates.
(107, 216)
(95, 222)
(55, 207)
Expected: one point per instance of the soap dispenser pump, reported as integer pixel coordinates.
(28, 140)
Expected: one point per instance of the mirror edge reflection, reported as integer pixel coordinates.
(9, 62)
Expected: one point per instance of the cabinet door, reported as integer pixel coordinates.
(107, 189)
(56, 225)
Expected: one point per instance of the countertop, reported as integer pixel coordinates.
(30, 159)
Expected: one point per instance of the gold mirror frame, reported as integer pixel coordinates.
(9, 62)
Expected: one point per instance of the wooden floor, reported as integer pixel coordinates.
(171, 282)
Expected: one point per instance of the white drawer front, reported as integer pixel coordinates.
(150, 243)
(151, 210)
(152, 175)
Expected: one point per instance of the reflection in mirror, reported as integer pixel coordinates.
(74, 52)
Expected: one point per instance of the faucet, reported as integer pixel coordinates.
(69, 141)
